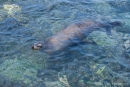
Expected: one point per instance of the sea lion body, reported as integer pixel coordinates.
(73, 34)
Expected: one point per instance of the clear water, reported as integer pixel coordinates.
(23, 22)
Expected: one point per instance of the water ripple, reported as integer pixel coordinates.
(90, 64)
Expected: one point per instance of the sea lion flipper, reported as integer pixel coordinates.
(116, 23)
(111, 25)
(108, 31)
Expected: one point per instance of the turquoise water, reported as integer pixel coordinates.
(24, 22)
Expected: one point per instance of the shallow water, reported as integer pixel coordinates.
(24, 22)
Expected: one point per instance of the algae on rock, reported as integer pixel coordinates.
(19, 70)
(102, 39)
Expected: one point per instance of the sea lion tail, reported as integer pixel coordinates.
(110, 25)
(116, 23)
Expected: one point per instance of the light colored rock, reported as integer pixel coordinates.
(12, 8)
(64, 80)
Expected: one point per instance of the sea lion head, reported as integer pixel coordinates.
(37, 45)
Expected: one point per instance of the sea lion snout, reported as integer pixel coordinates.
(37, 46)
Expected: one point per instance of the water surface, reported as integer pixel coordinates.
(24, 22)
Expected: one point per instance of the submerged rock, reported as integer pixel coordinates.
(19, 70)
(12, 8)
(102, 39)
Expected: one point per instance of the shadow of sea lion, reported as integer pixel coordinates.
(73, 34)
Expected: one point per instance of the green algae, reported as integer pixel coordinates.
(100, 70)
(19, 70)
(102, 39)
(103, 7)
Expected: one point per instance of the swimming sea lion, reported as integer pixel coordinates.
(73, 34)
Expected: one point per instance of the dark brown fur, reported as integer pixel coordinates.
(74, 33)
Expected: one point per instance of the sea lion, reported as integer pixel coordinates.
(71, 35)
